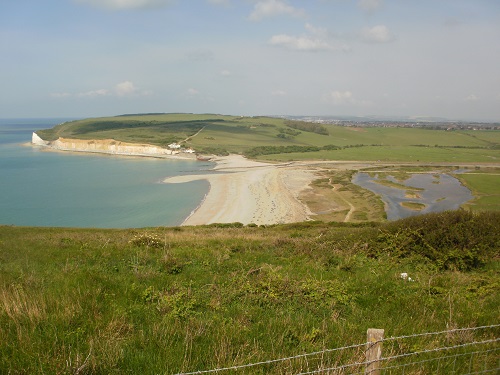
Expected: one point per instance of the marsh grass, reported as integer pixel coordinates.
(484, 184)
(333, 197)
(191, 298)
(413, 205)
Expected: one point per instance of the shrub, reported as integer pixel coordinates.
(459, 240)
(147, 240)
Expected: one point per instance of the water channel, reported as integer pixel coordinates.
(440, 192)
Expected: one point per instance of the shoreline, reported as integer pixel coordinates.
(109, 147)
(110, 153)
(240, 190)
(247, 191)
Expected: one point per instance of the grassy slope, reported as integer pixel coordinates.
(174, 299)
(241, 134)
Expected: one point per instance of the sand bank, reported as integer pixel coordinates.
(245, 191)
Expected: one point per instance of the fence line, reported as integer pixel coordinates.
(238, 367)
(370, 343)
(454, 330)
(442, 357)
(364, 363)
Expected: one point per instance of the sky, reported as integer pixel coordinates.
(90, 58)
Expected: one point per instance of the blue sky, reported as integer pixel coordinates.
(86, 58)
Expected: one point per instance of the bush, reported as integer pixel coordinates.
(226, 225)
(459, 240)
(307, 127)
(147, 240)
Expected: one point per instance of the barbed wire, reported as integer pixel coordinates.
(238, 367)
(440, 332)
(343, 367)
(441, 358)
(383, 359)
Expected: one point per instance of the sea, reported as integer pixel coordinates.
(68, 189)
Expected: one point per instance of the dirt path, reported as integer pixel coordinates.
(191, 136)
(352, 208)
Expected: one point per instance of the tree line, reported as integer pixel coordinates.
(307, 126)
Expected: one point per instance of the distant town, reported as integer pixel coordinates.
(427, 123)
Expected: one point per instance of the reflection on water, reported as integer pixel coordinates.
(440, 192)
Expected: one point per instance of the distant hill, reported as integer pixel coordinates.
(291, 138)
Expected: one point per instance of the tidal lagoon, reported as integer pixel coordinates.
(434, 193)
(64, 189)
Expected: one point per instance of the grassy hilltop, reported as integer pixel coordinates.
(167, 300)
(280, 139)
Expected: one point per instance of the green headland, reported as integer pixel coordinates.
(281, 139)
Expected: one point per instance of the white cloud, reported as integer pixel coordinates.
(271, 8)
(125, 4)
(370, 5)
(302, 43)
(226, 73)
(376, 34)
(94, 93)
(125, 88)
(316, 39)
(319, 31)
(192, 92)
(278, 93)
(339, 97)
(472, 98)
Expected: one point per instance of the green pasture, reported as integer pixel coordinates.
(236, 136)
(170, 300)
(135, 128)
(488, 136)
(344, 136)
(396, 154)
(485, 187)
(233, 134)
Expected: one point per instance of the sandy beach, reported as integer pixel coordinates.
(246, 191)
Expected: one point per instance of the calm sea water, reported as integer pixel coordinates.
(41, 188)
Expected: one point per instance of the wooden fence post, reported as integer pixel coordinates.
(373, 350)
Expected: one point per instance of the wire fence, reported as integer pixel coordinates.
(461, 351)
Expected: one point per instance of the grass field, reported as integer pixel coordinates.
(485, 186)
(166, 300)
(220, 134)
(409, 154)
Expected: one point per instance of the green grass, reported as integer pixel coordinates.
(485, 186)
(165, 300)
(413, 205)
(231, 134)
(398, 185)
(396, 154)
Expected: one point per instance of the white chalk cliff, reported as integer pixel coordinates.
(107, 146)
(36, 140)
